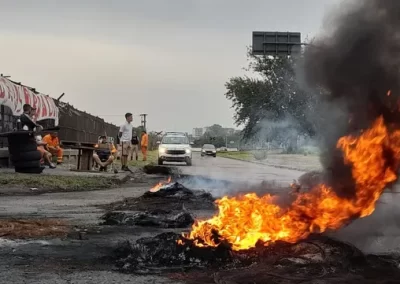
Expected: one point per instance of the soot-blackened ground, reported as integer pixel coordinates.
(317, 258)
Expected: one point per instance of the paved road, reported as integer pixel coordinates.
(234, 170)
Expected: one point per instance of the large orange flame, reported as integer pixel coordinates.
(243, 221)
(159, 185)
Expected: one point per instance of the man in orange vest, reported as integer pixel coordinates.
(144, 143)
(53, 144)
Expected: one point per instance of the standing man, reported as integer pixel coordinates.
(135, 145)
(125, 136)
(144, 143)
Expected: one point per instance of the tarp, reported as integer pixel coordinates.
(15, 96)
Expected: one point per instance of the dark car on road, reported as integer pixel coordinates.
(208, 150)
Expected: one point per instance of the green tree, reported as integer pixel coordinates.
(216, 130)
(270, 95)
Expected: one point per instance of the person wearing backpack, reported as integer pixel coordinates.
(135, 145)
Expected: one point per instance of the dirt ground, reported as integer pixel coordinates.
(81, 252)
(81, 256)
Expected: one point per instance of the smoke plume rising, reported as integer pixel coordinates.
(356, 67)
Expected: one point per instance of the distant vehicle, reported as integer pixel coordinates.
(208, 150)
(169, 133)
(175, 147)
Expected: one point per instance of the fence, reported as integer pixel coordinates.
(74, 125)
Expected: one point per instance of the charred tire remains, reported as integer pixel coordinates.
(175, 201)
(315, 258)
(156, 218)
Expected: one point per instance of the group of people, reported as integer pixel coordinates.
(105, 152)
(49, 145)
(129, 142)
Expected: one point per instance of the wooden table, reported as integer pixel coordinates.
(85, 154)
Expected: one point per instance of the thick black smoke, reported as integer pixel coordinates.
(354, 66)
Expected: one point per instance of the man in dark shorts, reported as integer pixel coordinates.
(135, 145)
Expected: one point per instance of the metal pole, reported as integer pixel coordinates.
(143, 116)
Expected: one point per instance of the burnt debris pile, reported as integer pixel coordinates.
(155, 218)
(318, 257)
(172, 189)
(163, 253)
(172, 197)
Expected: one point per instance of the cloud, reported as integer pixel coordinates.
(169, 59)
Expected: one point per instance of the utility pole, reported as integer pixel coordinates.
(143, 120)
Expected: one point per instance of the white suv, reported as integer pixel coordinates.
(175, 147)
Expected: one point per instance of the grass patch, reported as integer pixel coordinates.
(289, 161)
(242, 155)
(152, 157)
(56, 182)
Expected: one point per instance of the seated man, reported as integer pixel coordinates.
(27, 121)
(53, 145)
(105, 153)
(46, 155)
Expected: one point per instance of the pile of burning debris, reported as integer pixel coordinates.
(175, 199)
(316, 257)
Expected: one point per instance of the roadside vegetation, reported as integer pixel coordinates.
(57, 182)
(290, 161)
(151, 160)
(239, 155)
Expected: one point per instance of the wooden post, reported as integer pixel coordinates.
(86, 160)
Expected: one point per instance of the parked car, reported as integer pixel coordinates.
(175, 147)
(208, 150)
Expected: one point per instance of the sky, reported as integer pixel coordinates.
(167, 58)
